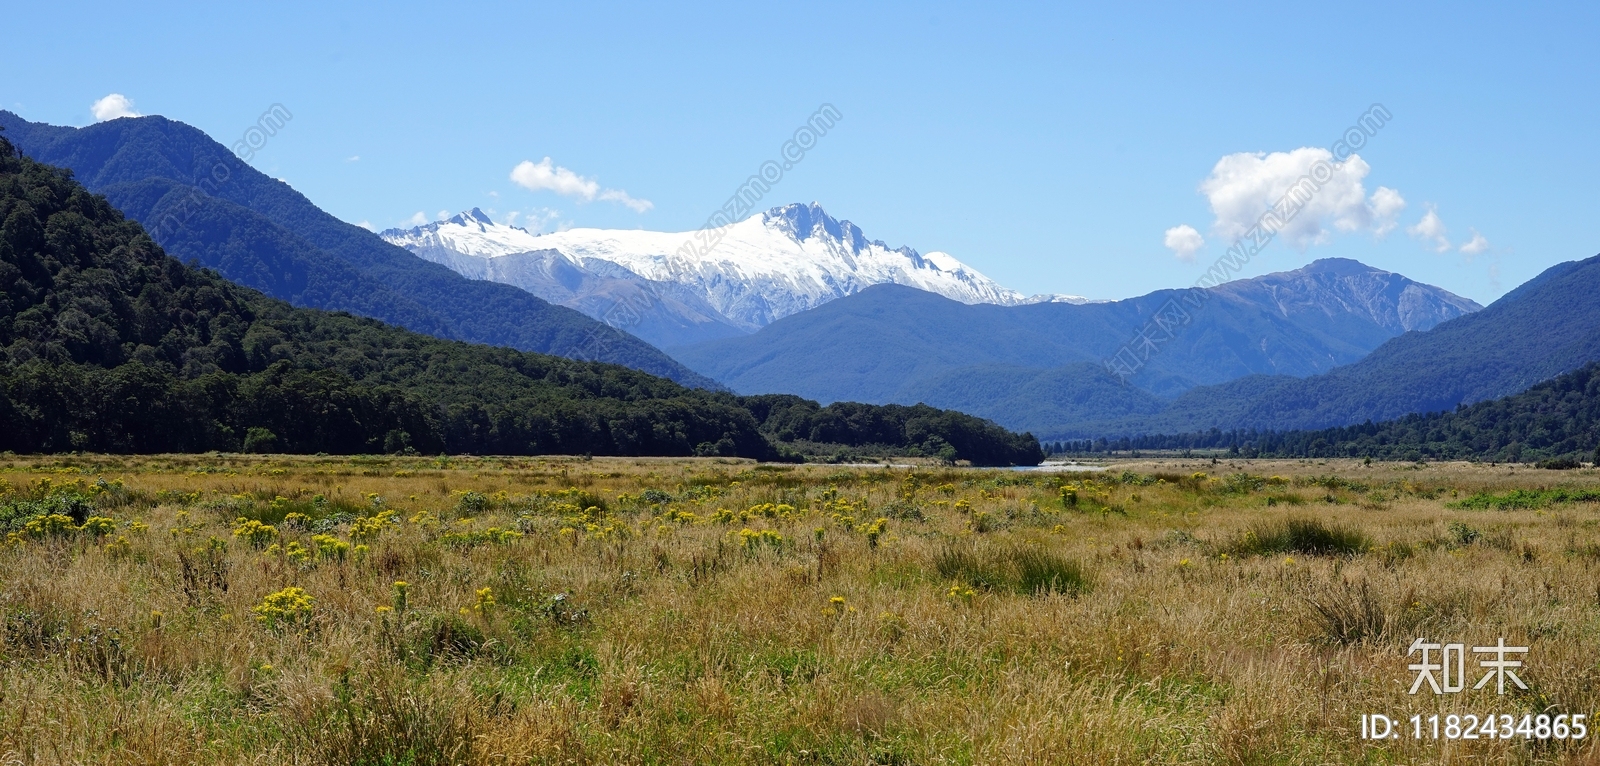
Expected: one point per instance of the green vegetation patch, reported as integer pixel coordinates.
(1307, 536)
(1519, 499)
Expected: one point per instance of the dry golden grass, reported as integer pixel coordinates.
(698, 615)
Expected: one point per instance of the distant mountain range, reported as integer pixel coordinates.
(203, 204)
(1040, 367)
(771, 265)
(1548, 326)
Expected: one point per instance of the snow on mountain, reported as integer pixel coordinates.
(469, 233)
(768, 266)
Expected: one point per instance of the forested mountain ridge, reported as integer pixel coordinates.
(1556, 419)
(203, 204)
(108, 344)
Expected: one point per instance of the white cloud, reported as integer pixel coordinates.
(620, 196)
(1431, 230)
(547, 176)
(1476, 245)
(366, 225)
(1184, 241)
(113, 106)
(416, 219)
(1386, 206)
(353, 158)
(441, 215)
(1243, 186)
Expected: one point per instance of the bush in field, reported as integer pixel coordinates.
(1558, 464)
(1025, 570)
(1307, 536)
(290, 607)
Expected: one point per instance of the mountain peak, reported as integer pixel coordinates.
(802, 222)
(471, 217)
(1331, 286)
(1340, 267)
(471, 233)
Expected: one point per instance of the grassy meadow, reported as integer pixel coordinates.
(221, 609)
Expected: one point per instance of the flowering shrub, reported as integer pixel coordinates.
(874, 531)
(369, 528)
(98, 526)
(490, 536)
(49, 525)
(255, 533)
(287, 608)
(330, 547)
(766, 538)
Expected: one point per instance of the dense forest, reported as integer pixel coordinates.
(917, 429)
(107, 344)
(1558, 419)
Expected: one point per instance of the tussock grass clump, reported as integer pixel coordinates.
(386, 719)
(1040, 571)
(1022, 569)
(1346, 613)
(1307, 536)
(963, 564)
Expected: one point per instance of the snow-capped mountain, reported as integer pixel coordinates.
(766, 267)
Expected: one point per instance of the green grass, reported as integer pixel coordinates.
(1519, 499)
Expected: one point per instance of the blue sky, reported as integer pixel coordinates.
(1050, 147)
